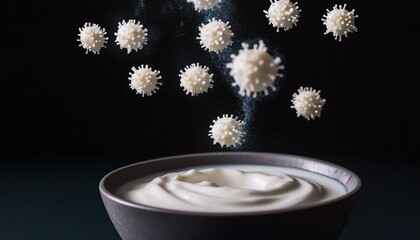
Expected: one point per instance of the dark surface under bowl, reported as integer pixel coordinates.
(321, 221)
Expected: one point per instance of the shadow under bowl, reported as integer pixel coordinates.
(323, 220)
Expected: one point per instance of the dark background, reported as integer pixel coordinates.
(68, 118)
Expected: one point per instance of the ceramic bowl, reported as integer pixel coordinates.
(323, 220)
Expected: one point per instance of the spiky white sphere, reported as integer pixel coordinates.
(215, 36)
(227, 131)
(131, 35)
(308, 103)
(283, 14)
(196, 79)
(339, 21)
(144, 80)
(204, 4)
(92, 37)
(254, 70)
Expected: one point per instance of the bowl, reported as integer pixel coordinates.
(323, 220)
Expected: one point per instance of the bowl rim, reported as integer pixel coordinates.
(106, 193)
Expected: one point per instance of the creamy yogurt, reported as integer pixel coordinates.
(232, 188)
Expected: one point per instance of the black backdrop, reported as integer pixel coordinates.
(61, 108)
(57, 100)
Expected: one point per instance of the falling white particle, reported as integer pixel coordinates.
(204, 4)
(308, 103)
(196, 79)
(215, 36)
(227, 131)
(339, 21)
(131, 35)
(92, 37)
(144, 80)
(283, 14)
(254, 70)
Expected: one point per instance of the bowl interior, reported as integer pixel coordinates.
(111, 182)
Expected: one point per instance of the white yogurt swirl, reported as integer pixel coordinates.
(226, 190)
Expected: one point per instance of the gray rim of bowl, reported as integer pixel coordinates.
(119, 200)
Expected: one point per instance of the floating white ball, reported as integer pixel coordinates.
(144, 80)
(308, 103)
(283, 14)
(204, 4)
(92, 37)
(254, 70)
(131, 35)
(339, 21)
(227, 131)
(196, 79)
(215, 36)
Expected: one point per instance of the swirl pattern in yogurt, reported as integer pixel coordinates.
(238, 188)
